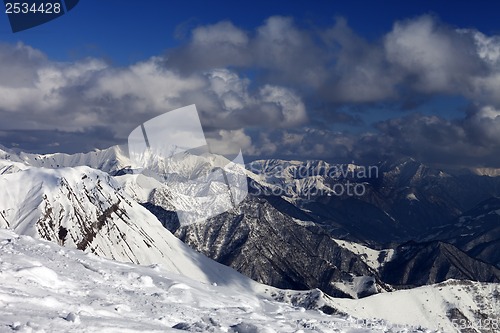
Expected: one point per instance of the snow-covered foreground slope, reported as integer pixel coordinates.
(48, 288)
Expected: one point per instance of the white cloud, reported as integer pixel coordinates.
(212, 46)
(220, 33)
(90, 93)
(230, 88)
(259, 89)
(226, 142)
(485, 124)
(439, 58)
(488, 112)
(292, 110)
(488, 47)
(19, 65)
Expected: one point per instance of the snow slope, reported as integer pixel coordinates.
(138, 186)
(438, 306)
(86, 209)
(374, 258)
(47, 288)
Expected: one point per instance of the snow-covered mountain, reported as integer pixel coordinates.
(86, 209)
(272, 247)
(363, 220)
(7, 167)
(276, 249)
(108, 160)
(259, 238)
(490, 172)
(339, 244)
(402, 199)
(417, 264)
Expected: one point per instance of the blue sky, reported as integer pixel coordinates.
(128, 31)
(362, 80)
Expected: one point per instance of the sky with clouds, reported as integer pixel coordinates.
(281, 85)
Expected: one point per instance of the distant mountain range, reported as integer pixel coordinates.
(413, 226)
(399, 228)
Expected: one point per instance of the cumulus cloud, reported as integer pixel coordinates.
(488, 47)
(484, 127)
(359, 71)
(19, 65)
(212, 46)
(229, 142)
(437, 57)
(418, 56)
(90, 94)
(230, 103)
(275, 90)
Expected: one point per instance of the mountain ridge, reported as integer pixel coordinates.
(262, 222)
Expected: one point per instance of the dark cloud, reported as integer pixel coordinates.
(471, 142)
(455, 143)
(416, 58)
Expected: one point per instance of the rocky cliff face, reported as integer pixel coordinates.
(276, 249)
